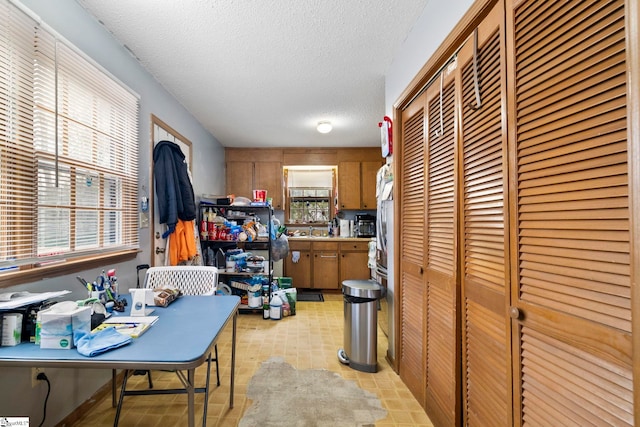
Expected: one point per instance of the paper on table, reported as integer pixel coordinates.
(132, 319)
(18, 299)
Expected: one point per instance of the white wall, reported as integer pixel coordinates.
(434, 25)
(70, 387)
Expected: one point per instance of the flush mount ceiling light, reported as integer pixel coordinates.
(324, 127)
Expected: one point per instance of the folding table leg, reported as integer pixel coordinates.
(124, 386)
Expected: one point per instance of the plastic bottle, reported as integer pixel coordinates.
(114, 287)
(275, 308)
(265, 301)
(38, 327)
(204, 227)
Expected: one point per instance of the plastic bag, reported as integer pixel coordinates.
(279, 248)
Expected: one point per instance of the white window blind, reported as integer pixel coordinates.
(69, 150)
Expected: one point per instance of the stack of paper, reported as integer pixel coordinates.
(134, 326)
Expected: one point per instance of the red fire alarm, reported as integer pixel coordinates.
(386, 139)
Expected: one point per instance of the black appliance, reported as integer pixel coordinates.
(365, 225)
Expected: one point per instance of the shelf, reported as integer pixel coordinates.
(262, 242)
(236, 241)
(245, 274)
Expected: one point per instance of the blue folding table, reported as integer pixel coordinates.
(182, 339)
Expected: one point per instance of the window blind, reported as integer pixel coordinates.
(68, 139)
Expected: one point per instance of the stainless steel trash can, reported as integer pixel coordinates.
(360, 324)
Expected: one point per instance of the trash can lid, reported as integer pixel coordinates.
(362, 288)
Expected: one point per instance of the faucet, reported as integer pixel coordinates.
(310, 231)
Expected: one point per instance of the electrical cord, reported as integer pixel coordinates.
(42, 377)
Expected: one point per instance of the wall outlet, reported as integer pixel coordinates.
(34, 376)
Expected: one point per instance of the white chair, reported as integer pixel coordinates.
(191, 280)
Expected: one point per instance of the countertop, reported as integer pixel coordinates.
(329, 239)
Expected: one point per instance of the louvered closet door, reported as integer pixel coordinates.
(412, 290)
(442, 396)
(571, 249)
(486, 364)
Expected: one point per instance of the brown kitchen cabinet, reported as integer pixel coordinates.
(250, 169)
(240, 179)
(244, 177)
(354, 259)
(300, 272)
(368, 172)
(268, 176)
(357, 184)
(349, 194)
(325, 265)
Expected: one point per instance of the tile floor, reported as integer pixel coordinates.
(308, 340)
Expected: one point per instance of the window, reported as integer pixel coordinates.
(310, 194)
(309, 205)
(69, 150)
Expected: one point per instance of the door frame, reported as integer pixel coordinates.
(161, 131)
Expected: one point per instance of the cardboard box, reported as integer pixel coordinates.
(59, 322)
(11, 329)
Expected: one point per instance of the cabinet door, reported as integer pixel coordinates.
(268, 176)
(354, 266)
(486, 362)
(240, 179)
(573, 253)
(368, 175)
(300, 272)
(412, 298)
(349, 194)
(325, 270)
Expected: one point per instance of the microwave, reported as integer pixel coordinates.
(365, 225)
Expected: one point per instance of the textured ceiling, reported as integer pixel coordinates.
(262, 73)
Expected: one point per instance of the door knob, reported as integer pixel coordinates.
(159, 250)
(514, 313)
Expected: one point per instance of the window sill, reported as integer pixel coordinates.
(33, 273)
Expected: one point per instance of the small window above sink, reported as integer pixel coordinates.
(310, 195)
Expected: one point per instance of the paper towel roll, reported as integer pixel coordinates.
(344, 228)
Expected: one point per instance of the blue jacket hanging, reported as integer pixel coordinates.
(174, 191)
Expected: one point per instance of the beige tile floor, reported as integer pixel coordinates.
(308, 340)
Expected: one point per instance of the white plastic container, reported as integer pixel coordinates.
(254, 300)
(275, 308)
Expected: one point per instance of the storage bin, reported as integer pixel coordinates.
(285, 282)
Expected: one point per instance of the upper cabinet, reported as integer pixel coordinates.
(357, 171)
(357, 184)
(247, 171)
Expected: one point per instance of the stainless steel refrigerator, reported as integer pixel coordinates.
(384, 269)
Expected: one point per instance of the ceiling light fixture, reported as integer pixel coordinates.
(324, 127)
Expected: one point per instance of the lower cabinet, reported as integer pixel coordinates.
(325, 264)
(297, 264)
(354, 261)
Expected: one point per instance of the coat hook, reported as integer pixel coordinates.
(476, 83)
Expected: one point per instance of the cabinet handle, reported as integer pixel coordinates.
(328, 256)
(514, 313)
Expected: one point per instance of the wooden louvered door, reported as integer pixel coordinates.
(443, 342)
(412, 292)
(486, 363)
(571, 287)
